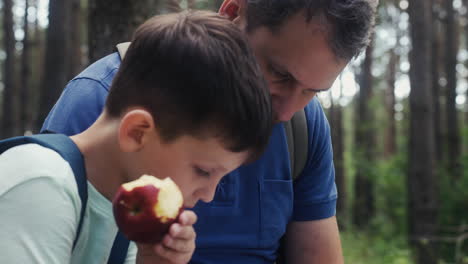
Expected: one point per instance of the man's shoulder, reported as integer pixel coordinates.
(317, 121)
(103, 70)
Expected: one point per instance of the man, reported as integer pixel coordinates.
(301, 46)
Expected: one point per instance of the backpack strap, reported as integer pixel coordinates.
(122, 49)
(64, 146)
(297, 138)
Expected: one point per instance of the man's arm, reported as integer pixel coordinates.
(312, 236)
(313, 242)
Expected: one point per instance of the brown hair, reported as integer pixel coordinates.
(195, 73)
(348, 23)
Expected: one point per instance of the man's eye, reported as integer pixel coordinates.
(281, 76)
(201, 172)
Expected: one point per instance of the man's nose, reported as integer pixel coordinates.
(285, 107)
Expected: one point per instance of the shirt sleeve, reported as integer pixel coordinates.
(80, 104)
(315, 191)
(131, 254)
(38, 223)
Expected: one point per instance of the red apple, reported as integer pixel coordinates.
(145, 208)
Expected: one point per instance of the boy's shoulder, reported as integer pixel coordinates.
(28, 162)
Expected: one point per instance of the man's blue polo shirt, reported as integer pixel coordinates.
(254, 203)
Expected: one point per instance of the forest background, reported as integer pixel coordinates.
(398, 113)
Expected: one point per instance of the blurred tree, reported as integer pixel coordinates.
(390, 142)
(10, 112)
(56, 56)
(451, 50)
(37, 46)
(111, 22)
(75, 39)
(363, 207)
(25, 89)
(337, 134)
(437, 59)
(465, 3)
(422, 191)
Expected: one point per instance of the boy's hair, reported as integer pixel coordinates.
(348, 23)
(195, 73)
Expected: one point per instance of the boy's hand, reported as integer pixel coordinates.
(176, 247)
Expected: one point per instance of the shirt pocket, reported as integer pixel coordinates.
(276, 199)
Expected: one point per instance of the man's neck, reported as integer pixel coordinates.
(101, 156)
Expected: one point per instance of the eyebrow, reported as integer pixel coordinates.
(282, 69)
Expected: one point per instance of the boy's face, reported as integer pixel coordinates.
(195, 165)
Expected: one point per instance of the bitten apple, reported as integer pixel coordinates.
(145, 208)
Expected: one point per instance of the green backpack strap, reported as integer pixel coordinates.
(122, 49)
(297, 137)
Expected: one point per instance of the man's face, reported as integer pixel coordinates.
(195, 165)
(297, 63)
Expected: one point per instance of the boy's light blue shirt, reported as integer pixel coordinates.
(41, 207)
(253, 204)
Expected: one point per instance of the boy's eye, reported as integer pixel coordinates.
(201, 172)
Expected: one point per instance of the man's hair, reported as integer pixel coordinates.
(195, 73)
(348, 23)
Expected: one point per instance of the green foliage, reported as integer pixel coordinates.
(453, 213)
(391, 196)
(370, 248)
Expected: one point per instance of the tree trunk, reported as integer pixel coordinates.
(365, 147)
(37, 65)
(390, 142)
(112, 22)
(436, 62)
(466, 65)
(337, 134)
(10, 95)
(25, 91)
(421, 181)
(75, 39)
(453, 134)
(56, 56)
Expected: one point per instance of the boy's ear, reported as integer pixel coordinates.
(232, 9)
(136, 127)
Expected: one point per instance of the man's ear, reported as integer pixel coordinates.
(232, 9)
(136, 128)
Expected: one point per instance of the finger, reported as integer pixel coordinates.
(179, 245)
(172, 255)
(177, 231)
(187, 218)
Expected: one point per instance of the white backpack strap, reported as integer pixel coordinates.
(122, 49)
(297, 137)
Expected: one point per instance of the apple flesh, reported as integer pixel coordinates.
(145, 208)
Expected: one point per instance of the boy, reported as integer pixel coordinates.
(178, 106)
